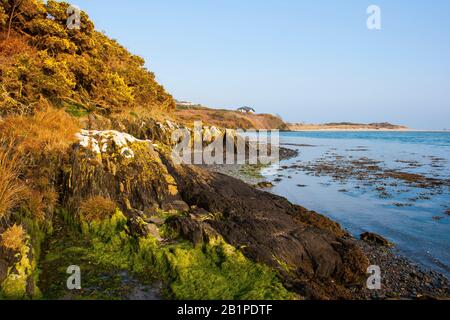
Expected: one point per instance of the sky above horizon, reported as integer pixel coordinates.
(308, 61)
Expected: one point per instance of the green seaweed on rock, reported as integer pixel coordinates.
(214, 270)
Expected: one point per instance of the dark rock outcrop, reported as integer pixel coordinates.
(312, 253)
(309, 249)
(3, 269)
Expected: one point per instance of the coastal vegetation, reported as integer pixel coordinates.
(82, 71)
(53, 81)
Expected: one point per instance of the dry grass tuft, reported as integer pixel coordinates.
(11, 188)
(97, 208)
(35, 205)
(13, 238)
(47, 131)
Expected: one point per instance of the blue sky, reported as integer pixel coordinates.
(308, 61)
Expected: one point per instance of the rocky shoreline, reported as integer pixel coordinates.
(129, 209)
(401, 278)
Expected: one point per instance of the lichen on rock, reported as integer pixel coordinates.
(101, 141)
(121, 167)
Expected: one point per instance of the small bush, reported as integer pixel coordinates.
(13, 238)
(96, 209)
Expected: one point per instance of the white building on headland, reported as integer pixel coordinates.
(184, 103)
(246, 110)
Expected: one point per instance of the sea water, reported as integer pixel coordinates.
(413, 218)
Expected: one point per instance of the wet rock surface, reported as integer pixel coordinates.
(264, 185)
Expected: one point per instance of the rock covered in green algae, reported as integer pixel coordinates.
(103, 249)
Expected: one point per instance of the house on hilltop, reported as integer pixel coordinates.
(246, 110)
(184, 103)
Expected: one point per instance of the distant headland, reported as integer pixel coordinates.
(247, 118)
(347, 126)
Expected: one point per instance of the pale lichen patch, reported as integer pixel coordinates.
(103, 141)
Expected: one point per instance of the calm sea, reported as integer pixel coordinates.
(412, 217)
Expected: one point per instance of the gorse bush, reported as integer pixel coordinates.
(13, 238)
(42, 58)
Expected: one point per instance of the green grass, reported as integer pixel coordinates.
(75, 109)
